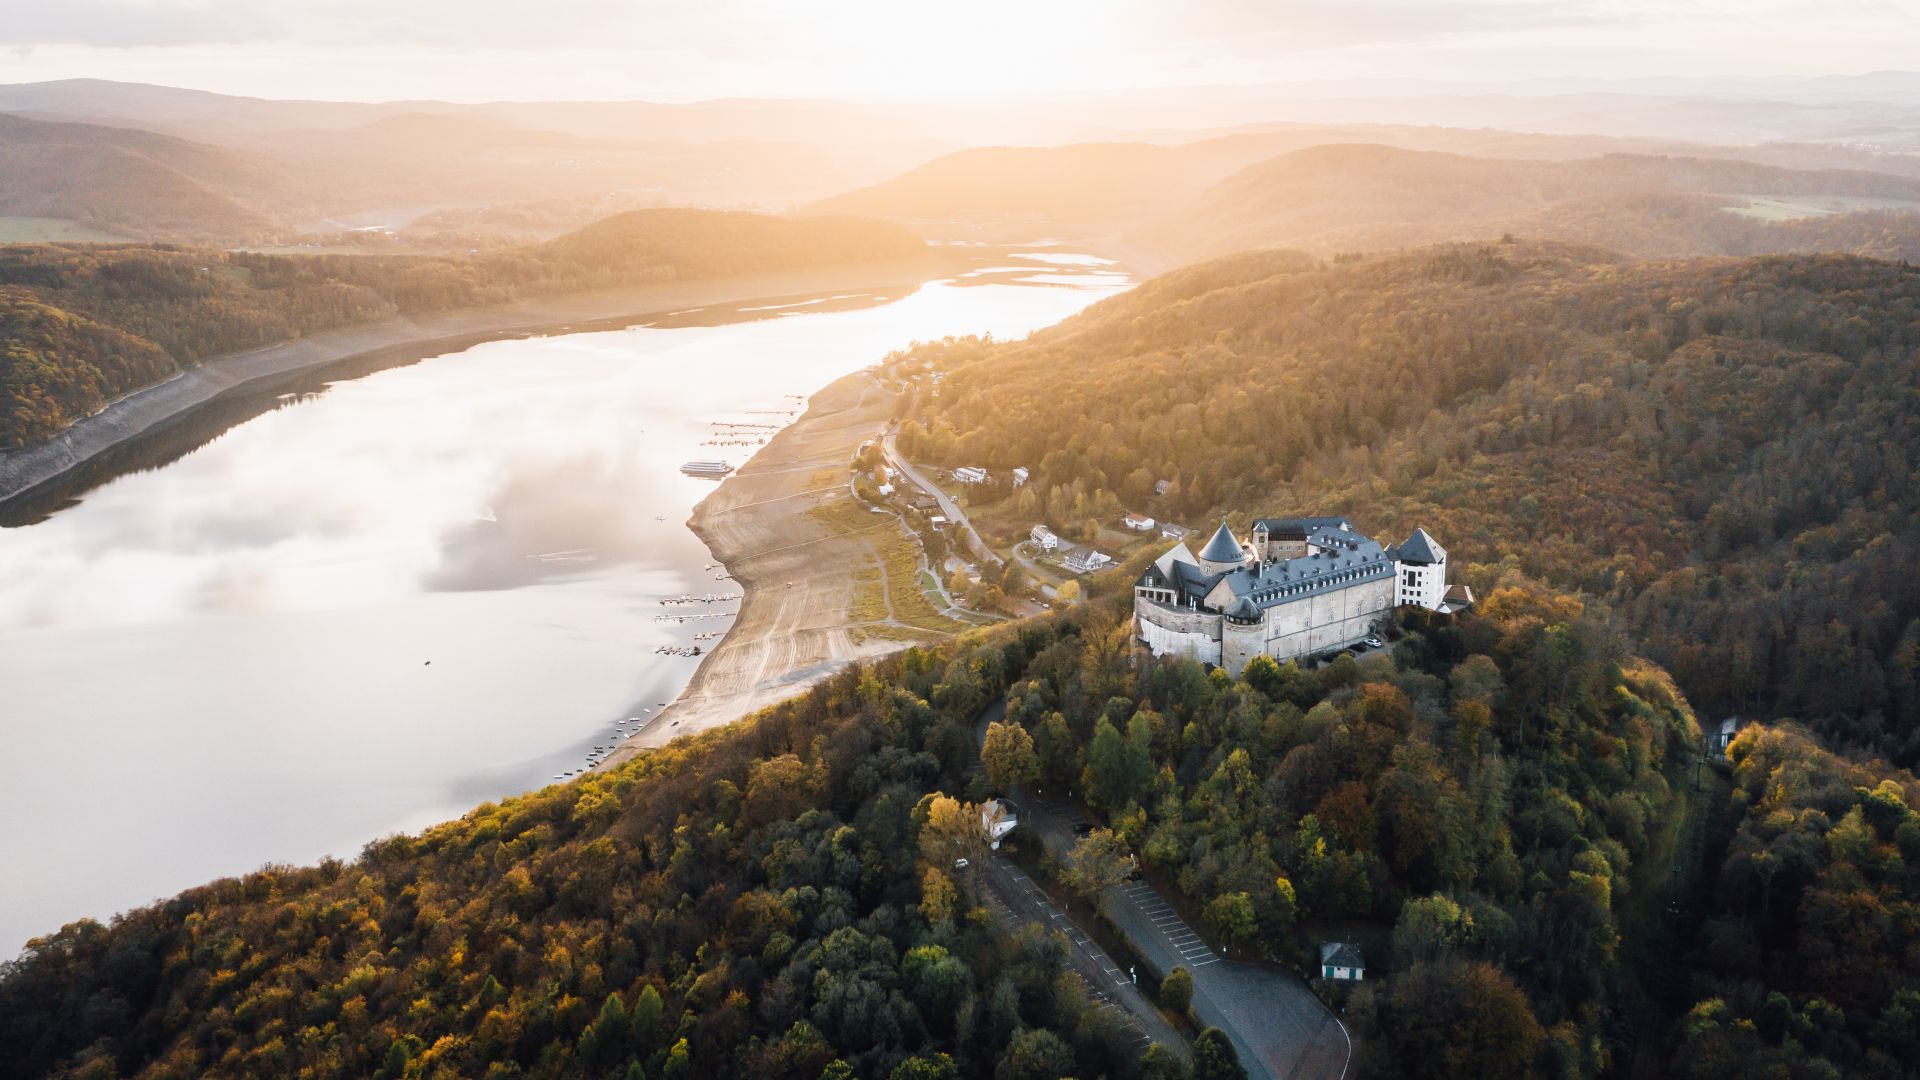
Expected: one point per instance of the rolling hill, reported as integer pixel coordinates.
(138, 183)
(81, 325)
(1726, 452)
(1357, 197)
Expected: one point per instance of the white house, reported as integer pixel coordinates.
(1341, 960)
(1043, 536)
(1020, 476)
(969, 474)
(1138, 522)
(1086, 560)
(997, 819)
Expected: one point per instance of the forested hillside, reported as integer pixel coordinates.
(1726, 452)
(1332, 199)
(56, 367)
(1499, 803)
(173, 305)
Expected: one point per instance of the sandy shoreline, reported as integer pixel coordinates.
(796, 571)
(154, 407)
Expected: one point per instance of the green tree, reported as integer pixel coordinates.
(937, 1067)
(1176, 990)
(1232, 917)
(1035, 1054)
(1214, 1057)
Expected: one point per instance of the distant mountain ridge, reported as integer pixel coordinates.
(1311, 198)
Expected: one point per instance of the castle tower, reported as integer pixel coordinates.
(1222, 553)
(1421, 568)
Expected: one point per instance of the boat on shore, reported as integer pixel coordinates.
(706, 468)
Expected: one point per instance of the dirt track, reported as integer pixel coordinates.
(797, 571)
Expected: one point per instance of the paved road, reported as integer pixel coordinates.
(1278, 1027)
(1014, 898)
(947, 505)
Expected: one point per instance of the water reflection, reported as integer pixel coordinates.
(301, 621)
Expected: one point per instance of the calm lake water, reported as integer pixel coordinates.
(386, 599)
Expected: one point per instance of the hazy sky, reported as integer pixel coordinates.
(911, 49)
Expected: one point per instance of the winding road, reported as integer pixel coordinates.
(947, 506)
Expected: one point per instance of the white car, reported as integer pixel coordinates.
(960, 864)
(1373, 643)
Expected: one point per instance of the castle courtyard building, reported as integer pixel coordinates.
(1295, 588)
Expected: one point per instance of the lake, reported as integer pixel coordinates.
(369, 603)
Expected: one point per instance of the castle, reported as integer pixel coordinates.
(1299, 586)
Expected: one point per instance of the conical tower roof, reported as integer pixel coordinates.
(1223, 548)
(1419, 549)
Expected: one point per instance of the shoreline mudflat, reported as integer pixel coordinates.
(154, 407)
(797, 568)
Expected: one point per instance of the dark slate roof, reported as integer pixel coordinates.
(1342, 954)
(1244, 611)
(1299, 528)
(1419, 549)
(1340, 559)
(1223, 547)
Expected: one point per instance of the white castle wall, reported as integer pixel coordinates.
(1171, 632)
(1330, 620)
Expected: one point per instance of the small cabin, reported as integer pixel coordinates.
(1342, 960)
(997, 819)
(1160, 487)
(1173, 532)
(1020, 476)
(1138, 522)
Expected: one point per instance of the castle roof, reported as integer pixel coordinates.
(1299, 528)
(1420, 549)
(1223, 548)
(1339, 559)
(1243, 610)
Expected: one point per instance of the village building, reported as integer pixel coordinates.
(969, 474)
(1173, 532)
(1160, 487)
(1020, 477)
(1085, 560)
(1138, 522)
(1297, 587)
(1043, 538)
(1342, 960)
(997, 819)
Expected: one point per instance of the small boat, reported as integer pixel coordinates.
(706, 468)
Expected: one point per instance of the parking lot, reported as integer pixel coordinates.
(1014, 898)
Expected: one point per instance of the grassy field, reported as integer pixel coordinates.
(42, 230)
(1791, 207)
(894, 580)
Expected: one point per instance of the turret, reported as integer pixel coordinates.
(1222, 553)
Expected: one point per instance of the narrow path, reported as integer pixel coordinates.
(947, 506)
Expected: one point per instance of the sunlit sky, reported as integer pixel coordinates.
(472, 50)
